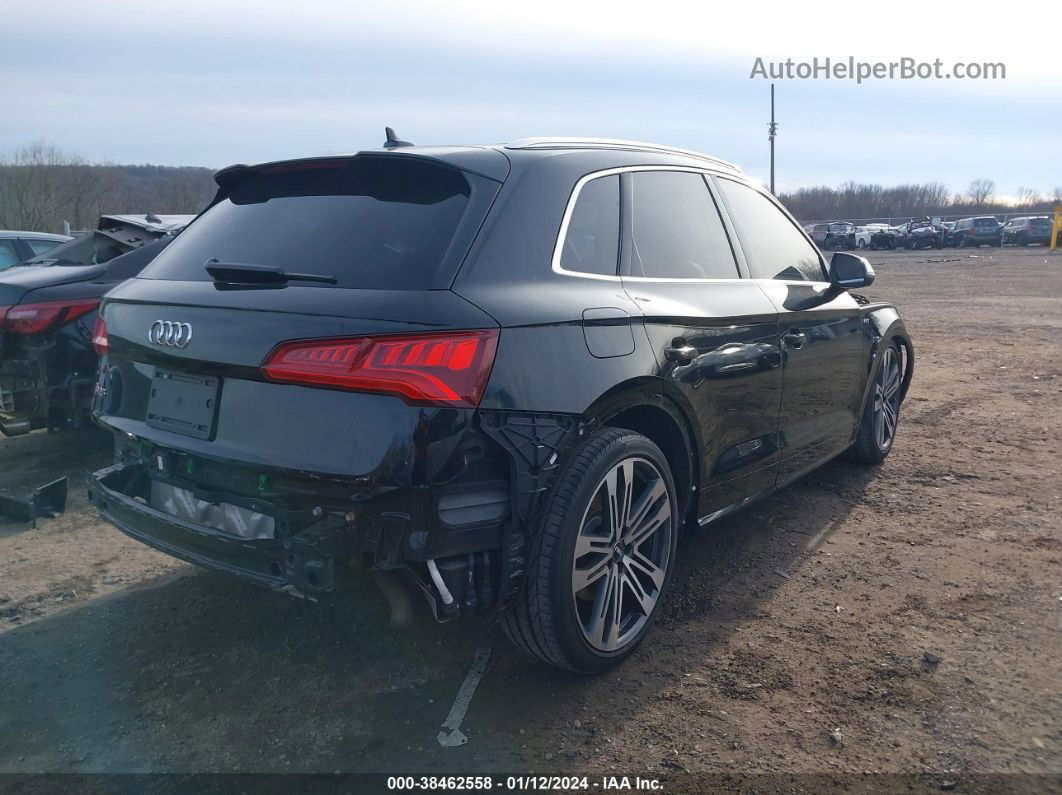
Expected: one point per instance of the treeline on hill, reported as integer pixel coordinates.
(42, 187)
(854, 200)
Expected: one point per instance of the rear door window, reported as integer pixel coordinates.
(40, 246)
(773, 245)
(591, 242)
(676, 231)
(371, 222)
(8, 254)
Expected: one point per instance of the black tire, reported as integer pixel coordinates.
(548, 619)
(869, 447)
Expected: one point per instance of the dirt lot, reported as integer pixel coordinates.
(809, 614)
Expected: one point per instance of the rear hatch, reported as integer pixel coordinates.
(304, 321)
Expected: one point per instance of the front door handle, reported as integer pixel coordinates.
(683, 354)
(794, 338)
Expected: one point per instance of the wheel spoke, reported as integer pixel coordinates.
(892, 376)
(589, 544)
(583, 578)
(890, 420)
(646, 601)
(604, 617)
(637, 562)
(618, 491)
(647, 514)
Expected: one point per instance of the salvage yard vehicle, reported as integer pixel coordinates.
(882, 239)
(47, 311)
(834, 235)
(984, 229)
(924, 234)
(18, 246)
(512, 374)
(865, 235)
(1025, 231)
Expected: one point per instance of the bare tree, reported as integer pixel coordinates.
(980, 192)
(41, 187)
(1028, 198)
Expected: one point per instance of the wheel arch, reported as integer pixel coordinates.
(639, 405)
(884, 327)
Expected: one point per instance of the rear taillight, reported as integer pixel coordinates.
(443, 369)
(99, 335)
(45, 316)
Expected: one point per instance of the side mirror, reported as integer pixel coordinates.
(849, 271)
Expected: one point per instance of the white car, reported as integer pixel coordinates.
(864, 233)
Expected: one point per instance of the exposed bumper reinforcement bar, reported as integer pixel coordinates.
(299, 568)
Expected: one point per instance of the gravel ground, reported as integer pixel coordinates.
(898, 619)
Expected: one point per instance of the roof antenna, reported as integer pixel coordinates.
(393, 141)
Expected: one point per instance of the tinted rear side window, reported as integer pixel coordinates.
(591, 244)
(773, 245)
(676, 231)
(372, 222)
(41, 246)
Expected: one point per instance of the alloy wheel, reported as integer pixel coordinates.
(622, 554)
(887, 399)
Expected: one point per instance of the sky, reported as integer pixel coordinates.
(210, 82)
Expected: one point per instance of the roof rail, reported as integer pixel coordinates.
(614, 143)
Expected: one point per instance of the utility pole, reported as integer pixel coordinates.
(772, 130)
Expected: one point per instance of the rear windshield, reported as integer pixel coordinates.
(1039, 221)
(371, 222)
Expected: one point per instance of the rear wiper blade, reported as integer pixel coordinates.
(242, 273)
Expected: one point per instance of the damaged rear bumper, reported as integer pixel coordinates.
(304, 564)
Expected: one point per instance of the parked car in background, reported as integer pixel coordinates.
(864, 235)
(899, 235)
(978, 231)
(833, 235)
(948, 228)
(924, 234)
(817, 232)
(1025, 231)
(18, 246)
(47, 309)
(511, 374)
(840, 236)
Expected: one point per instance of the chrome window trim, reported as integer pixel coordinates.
(558, 247)
(824, 265)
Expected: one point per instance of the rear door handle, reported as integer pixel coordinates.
(794, 338)
(683, 355)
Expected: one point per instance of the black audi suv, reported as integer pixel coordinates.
(511, 374)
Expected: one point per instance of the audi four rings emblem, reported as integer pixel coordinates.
(171, 333)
